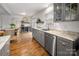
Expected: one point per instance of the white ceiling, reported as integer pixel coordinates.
(28, 8)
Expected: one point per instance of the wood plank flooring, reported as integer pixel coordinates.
(25, 45)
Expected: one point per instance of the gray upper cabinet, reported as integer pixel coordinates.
(66, 11)
(58, 11)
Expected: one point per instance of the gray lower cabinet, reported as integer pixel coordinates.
(64, 47)
(25, 29)
(50, 43)
(5, 51)
(55, 45)
(35, 33)
(39, 36)
(0, 53)
(29, 29)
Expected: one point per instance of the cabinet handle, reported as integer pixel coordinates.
(63, 43)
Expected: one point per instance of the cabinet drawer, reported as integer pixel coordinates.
(64, 51)
(64, 47)
(65, 42)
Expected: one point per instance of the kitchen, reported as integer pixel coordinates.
(39, 29)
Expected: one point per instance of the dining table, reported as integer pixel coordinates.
(2, 33)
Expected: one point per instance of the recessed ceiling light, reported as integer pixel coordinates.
(23, 13)
(49, 9)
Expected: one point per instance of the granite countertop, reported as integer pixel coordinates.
(11, 29)
(64, 34)
(3, 40)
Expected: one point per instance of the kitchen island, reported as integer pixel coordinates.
(4, 45)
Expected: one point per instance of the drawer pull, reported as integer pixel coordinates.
(63, 43)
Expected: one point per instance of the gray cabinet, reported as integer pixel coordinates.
(50, 43)
(38, 35)
(29, 29)
(25, 29)
(35, 33)
(64, 47)
(0, 53)
(41, 38)
(55, 45)
(66, 11)
(5, 51)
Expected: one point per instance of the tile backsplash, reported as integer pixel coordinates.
(67, 26)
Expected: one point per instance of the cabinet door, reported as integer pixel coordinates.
(64, 47)
(29, 29)
(34, 33)
(37, 35)
(5, 51)
(41, 38)
(26, 29)
(0, 53)
(7, 48)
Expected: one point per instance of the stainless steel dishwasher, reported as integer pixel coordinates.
(50, 43)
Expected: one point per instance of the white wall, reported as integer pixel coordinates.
(17, 20)
(6, 20)
(46, 16)
(67, 26)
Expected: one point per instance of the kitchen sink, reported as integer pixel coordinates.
(45, 29)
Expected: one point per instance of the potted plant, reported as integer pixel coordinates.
(12, 25)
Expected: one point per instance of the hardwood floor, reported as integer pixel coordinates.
(25, 45)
